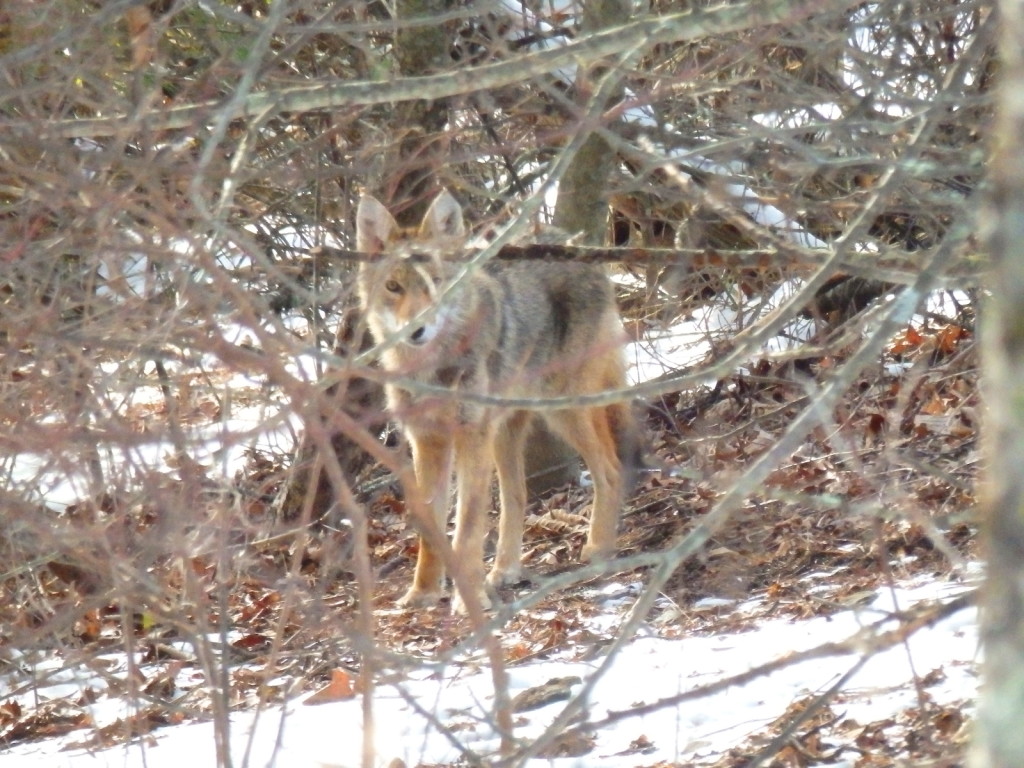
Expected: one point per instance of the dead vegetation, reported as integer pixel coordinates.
(201, 509)
(884, 495)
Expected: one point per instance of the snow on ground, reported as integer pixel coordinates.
(692, 732)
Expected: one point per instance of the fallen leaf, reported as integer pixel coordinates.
(556, 689)
(340, 688)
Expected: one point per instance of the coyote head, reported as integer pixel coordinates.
(399, 289)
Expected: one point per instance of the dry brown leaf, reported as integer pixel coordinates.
(556, 689)
(568, 744)
(341, 688)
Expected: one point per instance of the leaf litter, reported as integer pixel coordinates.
(810, 629)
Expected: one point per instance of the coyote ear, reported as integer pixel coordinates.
(374, 225)
(443, 220)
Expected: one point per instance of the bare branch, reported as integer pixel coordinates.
(644, 32)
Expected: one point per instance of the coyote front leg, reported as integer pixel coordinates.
(432, 463)
(474, 468)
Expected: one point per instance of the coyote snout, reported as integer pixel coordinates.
(518, 330)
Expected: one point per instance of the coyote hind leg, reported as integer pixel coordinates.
(591, 432)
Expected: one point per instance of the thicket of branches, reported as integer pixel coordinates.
(169, 169)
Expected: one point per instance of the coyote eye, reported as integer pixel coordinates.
(392, 286)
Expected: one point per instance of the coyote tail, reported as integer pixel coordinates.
(629, 444)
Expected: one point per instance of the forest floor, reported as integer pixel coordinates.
(868, 513)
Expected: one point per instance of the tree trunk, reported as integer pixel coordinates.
(999, 736)
(582, 208)
(420, 151)
(413, 160)
(582, 203)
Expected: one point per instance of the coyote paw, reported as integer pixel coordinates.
(592, 552)
(417, 597)
(459, 605)
(501, 576)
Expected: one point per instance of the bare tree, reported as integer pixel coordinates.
(998, 741)
(170, 171)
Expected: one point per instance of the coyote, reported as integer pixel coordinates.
(512, 329)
